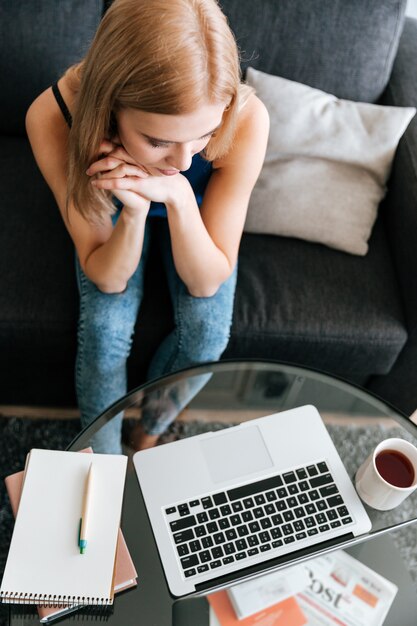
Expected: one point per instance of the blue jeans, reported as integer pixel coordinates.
(105, 334)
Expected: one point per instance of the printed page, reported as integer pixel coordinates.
(285, 613)
(257, 594)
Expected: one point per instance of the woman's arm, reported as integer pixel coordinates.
(205, 243)
(108, 256)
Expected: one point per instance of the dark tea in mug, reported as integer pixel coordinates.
(395, 468)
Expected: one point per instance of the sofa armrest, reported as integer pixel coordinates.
(400, 209)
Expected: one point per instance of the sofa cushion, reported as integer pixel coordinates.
(39, 41)
(38, 307)
(402, 216)
(344, 48)
(305, 303)
(38, 292)
(326, 165)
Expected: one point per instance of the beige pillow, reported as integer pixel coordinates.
(326, 165)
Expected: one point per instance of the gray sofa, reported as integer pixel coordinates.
(299, 302)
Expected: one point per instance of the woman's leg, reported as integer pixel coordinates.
(105, 332)
(202, 330)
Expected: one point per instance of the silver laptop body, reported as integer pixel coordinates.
(233, 503)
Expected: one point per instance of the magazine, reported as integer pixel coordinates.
(344, 591)
(339, 590)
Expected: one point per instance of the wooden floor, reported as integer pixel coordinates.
(187, 415)
(38, 412)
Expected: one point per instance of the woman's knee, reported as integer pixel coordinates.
(104, 336)
(205, 333)
(204, 323)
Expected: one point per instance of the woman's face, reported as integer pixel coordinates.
(165, 144)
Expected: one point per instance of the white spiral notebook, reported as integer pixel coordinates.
(44, 564)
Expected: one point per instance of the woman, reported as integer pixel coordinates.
(152, 133)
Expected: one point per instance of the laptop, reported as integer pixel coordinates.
(238, 502)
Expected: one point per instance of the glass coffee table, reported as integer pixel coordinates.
(215, 396)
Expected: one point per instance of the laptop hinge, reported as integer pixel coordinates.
(270, 563)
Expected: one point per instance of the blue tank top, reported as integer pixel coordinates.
(197, 175)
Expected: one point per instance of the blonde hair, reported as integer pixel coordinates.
(159, 56)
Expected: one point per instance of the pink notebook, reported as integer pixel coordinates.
(125, 573)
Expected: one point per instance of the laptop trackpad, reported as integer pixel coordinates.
(235, 454)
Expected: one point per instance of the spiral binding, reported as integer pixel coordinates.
(49, 600)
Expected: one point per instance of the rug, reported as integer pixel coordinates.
(18, 436)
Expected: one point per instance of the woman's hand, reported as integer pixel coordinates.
(117, 164)
(130, 182)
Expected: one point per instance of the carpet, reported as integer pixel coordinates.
(18, 436)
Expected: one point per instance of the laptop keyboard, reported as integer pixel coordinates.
(259, 517)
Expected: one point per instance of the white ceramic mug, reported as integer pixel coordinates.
(373, 488)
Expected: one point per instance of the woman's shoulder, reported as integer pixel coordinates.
(251, 134)
(253, 113)
(45, 111)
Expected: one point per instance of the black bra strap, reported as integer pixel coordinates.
(61, 103)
